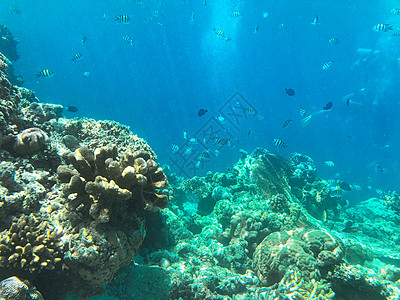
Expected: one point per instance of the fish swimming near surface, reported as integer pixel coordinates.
(279, 143)
(382, 27)
(71, 108)
(327, 65)
(328, 106)
(46, 73)
(287, 123)
(123, 19)
(128, 39)
(235, 14)
(77, 56)
(290, 92)
(334, 41)
(202, 112)
(315, 21)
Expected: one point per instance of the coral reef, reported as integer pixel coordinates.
(30, 141)
(14, 289)
(8, 43)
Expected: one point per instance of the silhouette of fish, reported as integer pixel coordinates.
(202, 112)
(290, 92)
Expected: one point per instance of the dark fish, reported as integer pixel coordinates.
(328, 106)
(249, 132)
(256, 28)
(279, 143)
(84, 39)
(380, 169)
(290, 92)
(202, 112)
(205, 2)
(382, 27)
(77, 56)
(344, 186)
(15, 10)
(124, 19)
(348, 102)
(287, 123)
(72, 108)
(351, 229)
(46, 73)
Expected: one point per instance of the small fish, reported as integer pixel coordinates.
(188, 150)
(205, 154)
(202, 112)
(318, 197)
(156, 13)
(327, 65)
(219, 32)
(194, 140)
(46, 73)
(396, 32)
(282, 26)
(302, 111)
(305, 121)
(382, 27)
(77, 56)
(105, 16)
(175, 148)
(185, 135)
(123, 19)
(205, 3)
(380, 169)
(344, 186)
(290, 92)
(279, 143)
(15, 10)
(128, 39)
(334, 41)
(250, 110)
(192, 18)
(335, 191)
(71, 108)
(220, 141)
(395, 11)
(351, 229)
(315, 21)
(328, 106)
(356, 187)
(348, 102)
(86, 74)
(265, 14)
(235, 14)
(379, 192)
(249, 132)
(287, 123)
(84, 39)
(256, 28)
(329, 163)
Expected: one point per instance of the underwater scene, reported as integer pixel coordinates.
(199, 149)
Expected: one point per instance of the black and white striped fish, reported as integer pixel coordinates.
(77, 56)
(46, 73)
(124, 19)
(327, 65)
(302, 111)
(279, 143)
(174, 148)
(382, 27)
(128, 39)
(287, 123)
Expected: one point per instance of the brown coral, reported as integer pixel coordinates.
(30, 245)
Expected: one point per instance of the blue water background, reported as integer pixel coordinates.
(178, 66)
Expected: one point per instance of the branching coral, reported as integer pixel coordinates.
(102, 180)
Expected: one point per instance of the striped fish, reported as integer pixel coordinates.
(77, 56)
(128, 39)
(334, 41)
(327, 65)
(302, 111)
(124, 19)
(287, 123)
(235, 14)
(279, 143)
(382, 27)
(46, 73)
(395, 11)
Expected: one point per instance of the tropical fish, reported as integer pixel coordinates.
(46, 73)
(302, 111)
(235, 14)
(205, 154)
(265, 14)
(328, 106)
(84, 39)
(249, 110)
(71, 108)
(188, 150)
(220, 141)
(202, 112)
(329, 163)
(128, 39)
(315, 21)
(334, 41)
(382, 27)
(287, 123)
(15, 10)
(256, 28)
(344, 185)
(279, 143)
(305, 120)
(290, 92)
(86, 74)
(205, 3)
(175, 148)
(77, 56)
(123, 19)
(395, 11)
(379, 192)
(105, 16)
(327, 65)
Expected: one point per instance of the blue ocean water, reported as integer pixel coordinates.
(178, 65)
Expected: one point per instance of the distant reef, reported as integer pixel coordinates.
(85, 210)
(8, 46)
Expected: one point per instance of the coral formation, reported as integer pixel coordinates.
(14, 289)
(8, 43)
(30, 140)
